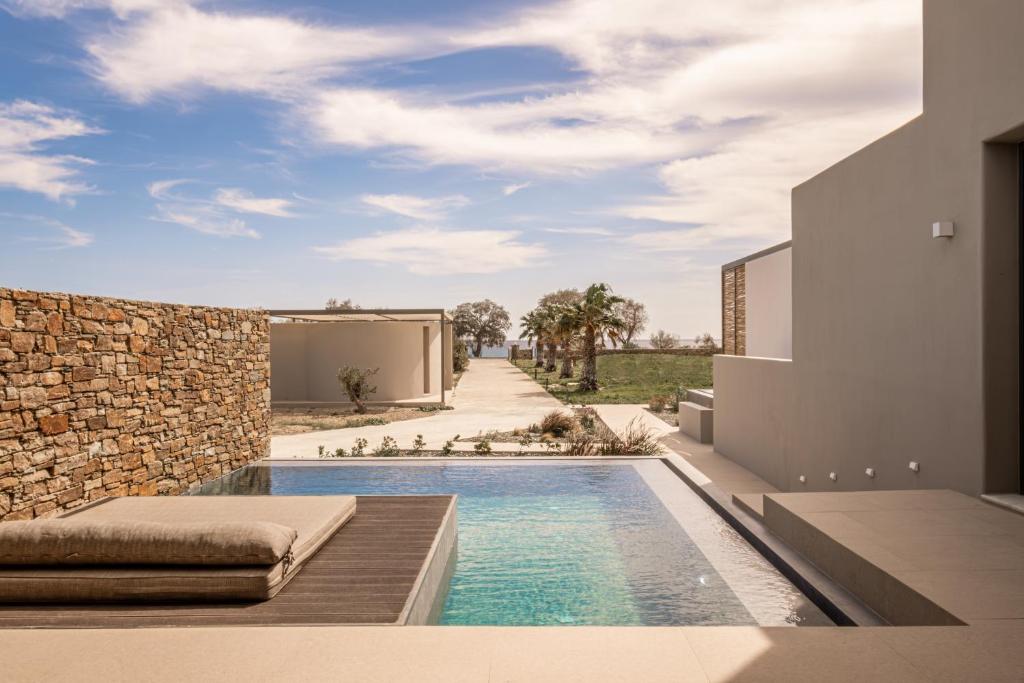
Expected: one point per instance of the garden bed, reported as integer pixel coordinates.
(302, 420)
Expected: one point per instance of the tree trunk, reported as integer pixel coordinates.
(566, 363)
(360, 406)
(478, 347)
(538, 348)
(588, 379)
(552, 359)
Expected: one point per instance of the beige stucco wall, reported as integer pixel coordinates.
(905, 347)
(769, 305)
(305, 357)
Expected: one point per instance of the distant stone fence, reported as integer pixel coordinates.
(106, 397)
(647, 352)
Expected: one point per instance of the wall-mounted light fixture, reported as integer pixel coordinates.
(914, 466)
(870, 472)
(943, 229)
(833, 476)
(803, 479)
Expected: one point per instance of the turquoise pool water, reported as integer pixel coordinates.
(557, 544)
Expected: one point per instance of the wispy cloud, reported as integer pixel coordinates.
(205, 221)
(433, 251)
(209, 217)
(510, 190)
(24, 128)
(261, 53)
(411, 206)
(61, 235)
(597, 232)
(243, 201)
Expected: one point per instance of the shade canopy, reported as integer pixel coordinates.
(335, 315)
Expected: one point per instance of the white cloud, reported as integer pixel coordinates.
(62, 236)
(24, 128)
(661, 79)
(244, 202)
(205, 221)
(597, 232)
(510, 190)
(199, 214)
(61, 8)
(175, 49)
(420, 208)
(432, 251)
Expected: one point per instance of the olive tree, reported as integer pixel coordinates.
(483, 322)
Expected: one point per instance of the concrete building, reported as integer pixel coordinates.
(757, 304)
(905, 270)
(412, 350)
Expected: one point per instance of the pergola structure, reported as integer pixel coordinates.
(384, 316)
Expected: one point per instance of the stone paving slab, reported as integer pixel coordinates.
(453, 654)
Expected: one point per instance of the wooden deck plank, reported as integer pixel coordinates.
(363, 575)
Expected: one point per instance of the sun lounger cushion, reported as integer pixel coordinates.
(315, 520)
(81, 541)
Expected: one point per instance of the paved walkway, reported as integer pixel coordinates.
(618, 417)
(492, 395)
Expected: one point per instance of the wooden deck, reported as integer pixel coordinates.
(365, 574)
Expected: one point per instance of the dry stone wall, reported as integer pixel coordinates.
(107, 397)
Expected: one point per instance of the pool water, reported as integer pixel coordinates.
(558, 544)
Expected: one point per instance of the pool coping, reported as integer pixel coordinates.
(841, 606)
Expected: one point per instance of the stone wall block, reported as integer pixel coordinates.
(103, 397)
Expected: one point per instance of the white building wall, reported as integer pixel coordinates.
(305, 358)
(769, 305)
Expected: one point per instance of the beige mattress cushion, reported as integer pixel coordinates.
(314, 518)
(83, 541)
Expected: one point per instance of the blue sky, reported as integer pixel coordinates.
(405, 154)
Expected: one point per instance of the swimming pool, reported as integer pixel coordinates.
(560, 542)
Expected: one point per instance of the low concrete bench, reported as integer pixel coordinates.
(697, 421)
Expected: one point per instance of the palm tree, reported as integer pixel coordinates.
(548, 316)
(533, 329)
(566, 329)
(596, 315)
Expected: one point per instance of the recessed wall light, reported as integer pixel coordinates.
(943, 229)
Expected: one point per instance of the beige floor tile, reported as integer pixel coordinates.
(975, 653)
(988, 594)
(595, 654)
(962, 552)
(913, 523)
(738, 654)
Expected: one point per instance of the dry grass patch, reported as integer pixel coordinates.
(301, 420)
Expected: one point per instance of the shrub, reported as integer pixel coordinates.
(418, 444)
(367, 422)
(460, 355)
(558, 423)
(658, 403)
(448, 449)
(388, 448)
(525, 441)
(588, 418)
(482, 447)
(637, 439)
(580, 444)
(664, 341)
(356, 384)
(360, 447)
